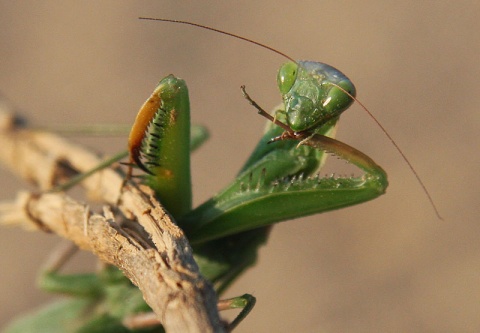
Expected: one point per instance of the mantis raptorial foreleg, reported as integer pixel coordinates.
(325, 143)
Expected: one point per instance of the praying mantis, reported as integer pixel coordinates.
(279, 181)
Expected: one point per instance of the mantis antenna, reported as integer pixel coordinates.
(404, 157)
(221, 32)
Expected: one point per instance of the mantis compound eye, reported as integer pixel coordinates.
(287, 74)
(337, 100)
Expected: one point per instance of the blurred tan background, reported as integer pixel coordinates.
(384, 266)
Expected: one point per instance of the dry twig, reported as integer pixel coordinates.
(157, 257)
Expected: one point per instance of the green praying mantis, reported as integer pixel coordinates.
(279, 181)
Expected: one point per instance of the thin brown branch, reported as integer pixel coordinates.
(158, 259)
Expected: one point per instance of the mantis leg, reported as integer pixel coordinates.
(245, 302)
(198, 135)
(87, 285)
(82, 176)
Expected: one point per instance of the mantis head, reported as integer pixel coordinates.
(311, 93)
